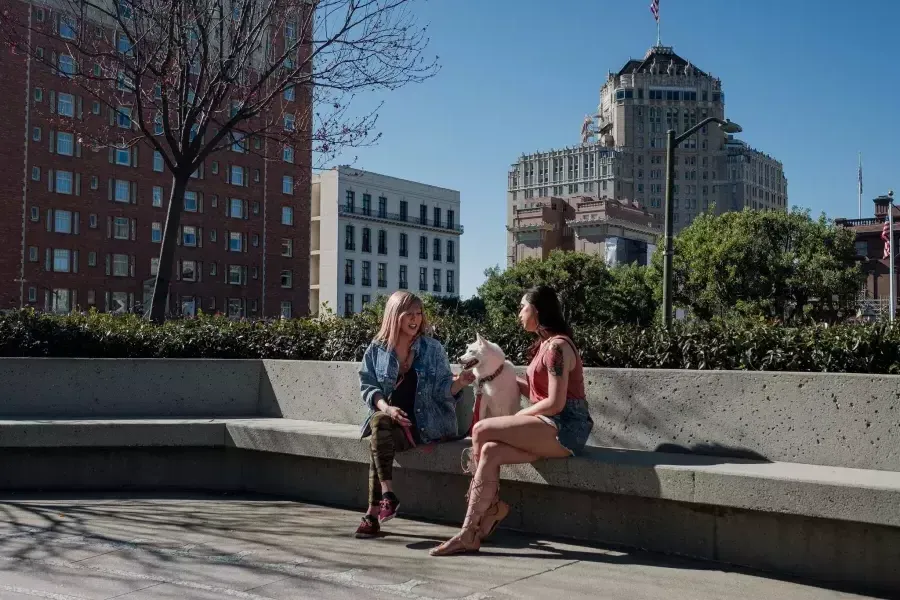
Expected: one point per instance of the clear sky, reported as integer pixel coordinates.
(812, 83)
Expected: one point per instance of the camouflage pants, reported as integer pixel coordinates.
(387, 440)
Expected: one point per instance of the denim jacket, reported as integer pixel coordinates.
(434, 404)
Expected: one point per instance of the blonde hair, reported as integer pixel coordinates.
(398, 304)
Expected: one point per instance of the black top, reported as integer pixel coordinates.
(404, 398)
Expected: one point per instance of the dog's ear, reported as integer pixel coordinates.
(478, 337)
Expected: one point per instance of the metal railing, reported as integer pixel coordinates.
(398, 218)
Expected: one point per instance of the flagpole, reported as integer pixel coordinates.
(658, 39)
(893, 299)
(859, 189)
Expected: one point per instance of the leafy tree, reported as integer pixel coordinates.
(777, 265)
(189, 78)
(589, 291)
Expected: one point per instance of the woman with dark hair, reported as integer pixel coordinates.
(555, 425)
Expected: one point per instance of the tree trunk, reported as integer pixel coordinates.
(159, 303)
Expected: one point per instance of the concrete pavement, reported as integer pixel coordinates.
(205, 548)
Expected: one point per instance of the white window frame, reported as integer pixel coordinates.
(236, 202)
(235, 242)
(235, 270)
(158, 165)
(62, 221)
(287, 185)
(62, 260)
(120, 265)
(121, 228)
(121, 185)
(193, 200)
(123, 155)
(287, 154)
(189, 266)
(64, 65)
(65, 143)
(65, 105)
(185, 233)
(65, 182)
(157, 196)
(287, 215)
(156, 233)
(237, 176)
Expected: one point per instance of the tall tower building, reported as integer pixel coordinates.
(623, 148)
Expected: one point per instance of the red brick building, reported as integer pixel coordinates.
(870, 253)
(81, 226)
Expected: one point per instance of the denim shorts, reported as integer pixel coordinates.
(573, 425)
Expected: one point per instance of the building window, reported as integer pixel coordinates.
(123, 117)
(235, 242)
(35, 213)
(436, 287)
(190, 201)
(66, 65)
(349, 237)
(188, 270)
(403, 242)
(92, 221)
(64, 182)
(120, 228)
(862, 248)
(437, 249)
(286, 309)
(236, 208)
(287, 215)
(289, 122)
(348, 305)
(287, 185)
(156, 233)
(158, 161)
(65, 144)
(423, 214)
(123, 191)
(288, 154)
(62, 301)
(189, 236)
(235, 274)
(235, 308)
(451, 253)
(437, 215)
(366, 273)
(382, 241)
(123, 155)
(290, 94)
(366, 239)
(287, 279)
(404, 284)
(423, 279)
(92, 259)
(120, 265)
(350, 201)
(348, 272)
(382, 207)
(65, 105)
(451, 217)
(287, 247)
(32, 294)
(404, 207)
(382, 275)
(62, 221)
(367, 204)
(366, 299)
(237, 175)
(423, 247)
(451, 283)
(157, 196)
(32, 254)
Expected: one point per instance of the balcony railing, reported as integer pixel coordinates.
(367, 281)
(403, 285)
(860, 222)
(398, 218)
(382, 283)
(436, 288)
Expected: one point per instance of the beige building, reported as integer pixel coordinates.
(622, 156)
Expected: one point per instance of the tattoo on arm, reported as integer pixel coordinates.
(557, 361)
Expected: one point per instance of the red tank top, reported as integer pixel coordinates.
(538, 374)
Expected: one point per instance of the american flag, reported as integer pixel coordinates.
(654, 8)
(886, 236)
(859, 177)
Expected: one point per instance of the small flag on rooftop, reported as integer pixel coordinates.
(654, 8)
(886, 236)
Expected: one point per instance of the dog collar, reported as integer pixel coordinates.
(492, 376)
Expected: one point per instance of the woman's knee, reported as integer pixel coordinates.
(490, 451)
(481, 432)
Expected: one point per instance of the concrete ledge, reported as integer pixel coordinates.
(863, 496)
(112, 433)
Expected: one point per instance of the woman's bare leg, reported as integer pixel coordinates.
(482, 495)
(523, 432)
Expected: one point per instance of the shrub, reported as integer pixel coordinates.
(722, 344)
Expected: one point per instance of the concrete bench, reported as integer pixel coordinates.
(826, 504)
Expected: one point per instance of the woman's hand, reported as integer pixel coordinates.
(465, 378)
(397, 416)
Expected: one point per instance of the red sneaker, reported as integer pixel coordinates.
(389, 506)
(368, 528)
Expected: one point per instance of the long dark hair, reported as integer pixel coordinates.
(549, 315)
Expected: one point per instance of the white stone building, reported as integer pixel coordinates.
(622, 154)
(372, 235)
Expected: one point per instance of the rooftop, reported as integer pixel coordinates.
(663, 55)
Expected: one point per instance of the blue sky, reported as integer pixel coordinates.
(812, 83)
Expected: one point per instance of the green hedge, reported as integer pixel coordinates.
(742, 345)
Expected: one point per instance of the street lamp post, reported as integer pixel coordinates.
(672, 142)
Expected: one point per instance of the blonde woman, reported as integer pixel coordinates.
(406, 382)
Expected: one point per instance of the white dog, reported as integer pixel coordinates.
(495, 379)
